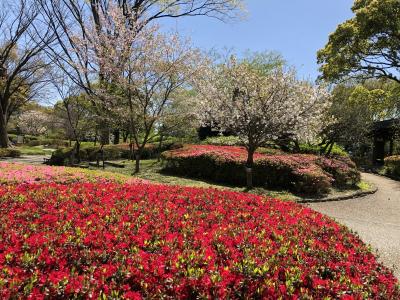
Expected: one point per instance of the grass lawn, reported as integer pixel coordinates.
(34, 150)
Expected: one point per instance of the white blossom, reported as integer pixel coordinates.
(33, 122)
(260, 107)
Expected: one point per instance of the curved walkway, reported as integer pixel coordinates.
(27, 159)
(376, 218)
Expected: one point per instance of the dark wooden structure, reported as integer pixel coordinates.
(384, 134)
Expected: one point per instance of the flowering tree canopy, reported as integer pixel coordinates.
(140, 67)
(259, 106)
(33, 122)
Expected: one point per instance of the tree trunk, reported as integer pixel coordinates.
(159, 148)
(102, 156)
(98, 159)
(116, 137)
(78, 150)
(131, 148)
(104, 135)
(131, 151)
(4, 142)
(330, 149)
(296, 146)
(249, 168)
(125, 136)
(137, 159)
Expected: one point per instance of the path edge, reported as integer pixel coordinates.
(355, 195)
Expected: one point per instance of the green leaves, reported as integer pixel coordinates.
(366, 46)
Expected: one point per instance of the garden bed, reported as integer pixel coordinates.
(301, 173)
(106, 239)
(16, 173)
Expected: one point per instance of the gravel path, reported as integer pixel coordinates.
(376, 218)
(28, 159)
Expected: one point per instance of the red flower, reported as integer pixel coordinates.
(89, 240)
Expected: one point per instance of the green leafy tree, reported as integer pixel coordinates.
(355, 107)
(366, 46)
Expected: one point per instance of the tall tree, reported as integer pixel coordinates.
(259, 106)
(141, 70)
(72, 19)
(73, 113)
(355, 108)
(22, 40)
(366, 46)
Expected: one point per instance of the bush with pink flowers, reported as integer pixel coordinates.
(300, 173)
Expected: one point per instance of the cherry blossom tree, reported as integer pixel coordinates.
(259, 106)
(33, 122)
(168, 65)
(141, 70)
(71, 20)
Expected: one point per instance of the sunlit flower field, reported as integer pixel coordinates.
(66, 234)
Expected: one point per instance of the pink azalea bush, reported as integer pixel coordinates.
(301, 173)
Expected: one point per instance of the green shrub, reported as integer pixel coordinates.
(315, 149)
(111, 152)
(60, 157)
(28, 138)
(33, 143)
(63, 156)
(392, 165)
(222, 141)
(12, 136)
(9, 152)
(55, 143)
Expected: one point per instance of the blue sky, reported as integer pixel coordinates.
(295, 28)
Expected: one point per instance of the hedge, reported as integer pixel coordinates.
(392, 165)
(300, 173)
(314, 149)
(111, 152)
(48, 142)
(9, 152)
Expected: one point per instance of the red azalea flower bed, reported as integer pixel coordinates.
(302, 173)
(87, 240)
